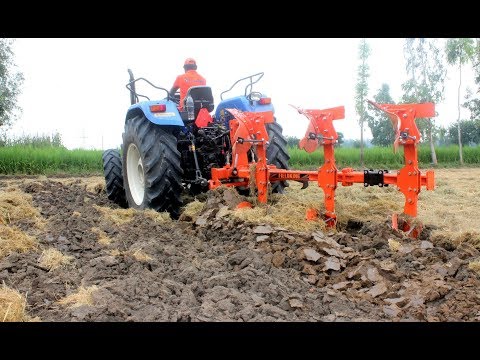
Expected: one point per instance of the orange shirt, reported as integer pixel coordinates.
(186, 81)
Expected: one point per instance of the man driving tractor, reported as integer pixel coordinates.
(187, 80)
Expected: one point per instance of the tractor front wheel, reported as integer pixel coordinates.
(112, 170)
(151, 167)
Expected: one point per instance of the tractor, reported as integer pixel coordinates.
(167, 151)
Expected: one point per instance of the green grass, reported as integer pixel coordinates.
(54, 160)
(383, 157)
(49, 160)
(449, 155)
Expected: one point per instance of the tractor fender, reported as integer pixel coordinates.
(243, 104)
(170, 116)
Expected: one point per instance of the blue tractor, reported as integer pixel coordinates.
(167, 151)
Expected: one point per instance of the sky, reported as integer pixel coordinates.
(77, 86)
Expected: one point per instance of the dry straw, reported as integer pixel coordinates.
(103, 239)
(475, 266)
(82, 297)
(52, 259)
(193, 209)
(16, 205)
(122, 216)
(12, 305)
(14, 240)
(137, 254)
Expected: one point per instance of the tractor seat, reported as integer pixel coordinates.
(202, 98)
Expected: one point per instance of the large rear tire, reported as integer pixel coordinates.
(112, 170)
(277, 153)
(151, 167)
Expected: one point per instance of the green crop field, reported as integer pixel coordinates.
(49, 160)
(384, 157)
(30, 160)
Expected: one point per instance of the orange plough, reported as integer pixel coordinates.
(248, 132)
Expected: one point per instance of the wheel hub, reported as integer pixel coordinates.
(135, 174)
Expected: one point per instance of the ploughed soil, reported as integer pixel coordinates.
(212, 266)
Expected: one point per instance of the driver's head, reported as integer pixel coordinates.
(190, 64)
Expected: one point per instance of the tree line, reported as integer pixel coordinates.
(426, 67)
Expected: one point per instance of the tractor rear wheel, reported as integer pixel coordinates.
(151, 167)
(112, 170)
(277, 153)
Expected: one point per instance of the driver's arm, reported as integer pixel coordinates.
(173, 90)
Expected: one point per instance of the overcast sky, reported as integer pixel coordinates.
(77, 86)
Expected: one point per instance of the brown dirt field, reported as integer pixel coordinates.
(221, 264)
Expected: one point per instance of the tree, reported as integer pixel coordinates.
(425, 66)
(472, 102)
(10, 83)
(443, 138)
(459, 51)
(292, 141)
(382, 131)
(341, 138)
(470, 132)
(361, 90)
(476, 61)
